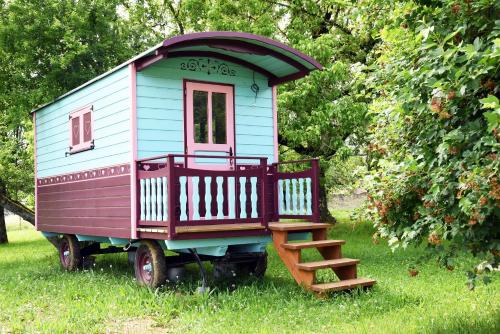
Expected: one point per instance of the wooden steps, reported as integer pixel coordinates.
(343, 285)
(335, 263)
(304, 273)
(314, 244)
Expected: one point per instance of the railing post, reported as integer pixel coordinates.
(263, 192)
(274, 180)
(138, 167)
(171, 196)
(315, 190)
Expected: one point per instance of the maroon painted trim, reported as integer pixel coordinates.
(90, 174)
(88, 230)
(297, 216)
(215, 221)
(172, 217)
(35, 144)
(243, 35)
(149, 60)
(228, 234)
(119, 180)
(184, 106)
(94, 222)
(250, 47)
(315, 190)
(152, 223)
(286, 78)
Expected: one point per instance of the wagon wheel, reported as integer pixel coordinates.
(150, 265)
(69, 252)
(257, 267)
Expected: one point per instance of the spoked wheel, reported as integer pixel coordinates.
(69, 253)
(150, 265)
(232, 267)
(257, 267)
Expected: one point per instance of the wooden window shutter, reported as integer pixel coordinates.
(87, 127)
(75, 131)
(81, 136)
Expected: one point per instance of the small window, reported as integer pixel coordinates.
(200, 111)
(219, 118)
(81, 136)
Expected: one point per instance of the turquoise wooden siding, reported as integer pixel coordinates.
(111, 127)
(160, 114)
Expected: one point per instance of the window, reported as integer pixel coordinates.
(219, 118)
(209, 123)
(200, 117)
(81, 136)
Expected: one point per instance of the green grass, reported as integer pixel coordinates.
(37, 296)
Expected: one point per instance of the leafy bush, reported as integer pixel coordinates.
(436, 137)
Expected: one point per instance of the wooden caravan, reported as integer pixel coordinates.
(177, 149)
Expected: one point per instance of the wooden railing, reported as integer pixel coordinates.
(296, 190)
(174, 196)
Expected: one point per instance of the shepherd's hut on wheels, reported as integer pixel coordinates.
(176, 149)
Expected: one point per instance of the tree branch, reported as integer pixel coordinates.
(175, 14)
(24, 212)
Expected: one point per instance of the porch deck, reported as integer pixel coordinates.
(242, 200)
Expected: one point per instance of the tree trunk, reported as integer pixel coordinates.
(324, 212)
(22, 211)
(3, 228)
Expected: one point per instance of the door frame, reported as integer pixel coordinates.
(184, 101)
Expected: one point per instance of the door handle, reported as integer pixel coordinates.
(231, 162)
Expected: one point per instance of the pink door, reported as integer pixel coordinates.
(209, 124)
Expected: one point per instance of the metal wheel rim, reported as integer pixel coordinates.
(65, 253)
(145, 267)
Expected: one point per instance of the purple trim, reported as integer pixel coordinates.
(35, 172)
(133, 139)
(264, 72)
(249, 47)
(149, 60)
(286, 78)
(243, 35)
(97, 173)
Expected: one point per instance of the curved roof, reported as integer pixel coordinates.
(275, 60)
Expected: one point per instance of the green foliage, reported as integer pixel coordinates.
(46, 49)
(38, 297)
(435, 137)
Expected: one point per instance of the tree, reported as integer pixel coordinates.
(46, 49)
(317, 114)
(435, 135)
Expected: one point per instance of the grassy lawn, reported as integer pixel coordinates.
(37, 296)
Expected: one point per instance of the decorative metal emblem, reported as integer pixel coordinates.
(208, 66)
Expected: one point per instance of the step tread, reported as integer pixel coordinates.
(313, 244)
(343, 285)
(297, 226)
(334, 263)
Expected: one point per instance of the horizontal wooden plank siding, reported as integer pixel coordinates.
(160, 108)
(110, 100)
(99, 205)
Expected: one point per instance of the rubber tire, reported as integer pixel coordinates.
(255, 268)
(73, 261)
(158, 264)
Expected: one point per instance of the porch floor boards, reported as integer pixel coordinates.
(218, 228)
